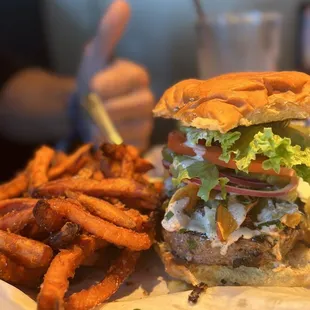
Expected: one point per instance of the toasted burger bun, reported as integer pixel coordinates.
(237, 99)
(295, 273)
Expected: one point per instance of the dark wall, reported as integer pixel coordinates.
(22, 38)
(21, 31)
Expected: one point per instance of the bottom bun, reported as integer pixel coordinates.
(295, 272)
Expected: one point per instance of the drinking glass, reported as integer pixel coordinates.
(232, 42)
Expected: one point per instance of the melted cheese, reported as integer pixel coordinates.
(303, 190)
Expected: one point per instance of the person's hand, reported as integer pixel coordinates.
(33, 105)
(122, 85)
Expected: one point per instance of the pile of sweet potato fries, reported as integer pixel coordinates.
(63, 211)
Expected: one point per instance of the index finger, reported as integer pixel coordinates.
(111, 29)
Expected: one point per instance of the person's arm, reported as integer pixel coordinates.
(33, 103)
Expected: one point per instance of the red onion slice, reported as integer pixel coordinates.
(256, 193)
(254, 183)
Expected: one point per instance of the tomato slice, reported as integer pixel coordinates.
(176, 142)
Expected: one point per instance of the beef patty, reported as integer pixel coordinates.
(196, 248)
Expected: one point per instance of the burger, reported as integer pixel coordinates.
(238, 174)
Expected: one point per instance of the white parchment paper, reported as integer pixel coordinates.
(147, 289)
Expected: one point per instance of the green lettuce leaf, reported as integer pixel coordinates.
(299, 135)
(184, 167)
(303, 171)
(280, 152)
(226, 140)
(284, 145)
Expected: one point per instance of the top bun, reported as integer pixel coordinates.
(237, 99)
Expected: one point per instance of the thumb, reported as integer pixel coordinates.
(110, 30)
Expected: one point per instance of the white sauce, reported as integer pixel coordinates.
(271, 230)
(276, 211)
(169, 188)
(198, 149)
(204, 223)
(303, 190)
(178, 220)
(184, 163)
(243, 232)
(237, 209)
(238, 212)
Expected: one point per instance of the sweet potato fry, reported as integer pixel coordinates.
(15, 221)
(16, 204)
(105, 167)
(47, 218)
(15, 187)
(56, 282)
(86, 172)
(127, 166)
(91, 260)
(117, 152)
(115, 169)
(159, 187)
(98, 227)
(138, 203)
(137, 217)
(133, 151)
(120, 270)
(90, 243)
(80, 164)
(85, 206)
(89, 169)
(98, 175)
(65, 237)
(117, 187)
(62, 267)
(113, 151)
(17, 274)
(142, 165)
(114, 201)
(140, 219)
(138, 177)
(29, 253)
(70, 161)
(59, 158)
(103, 209)
(111, 168)
(34, 231)
(39, 167)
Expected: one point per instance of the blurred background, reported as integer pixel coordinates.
(162, 35)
